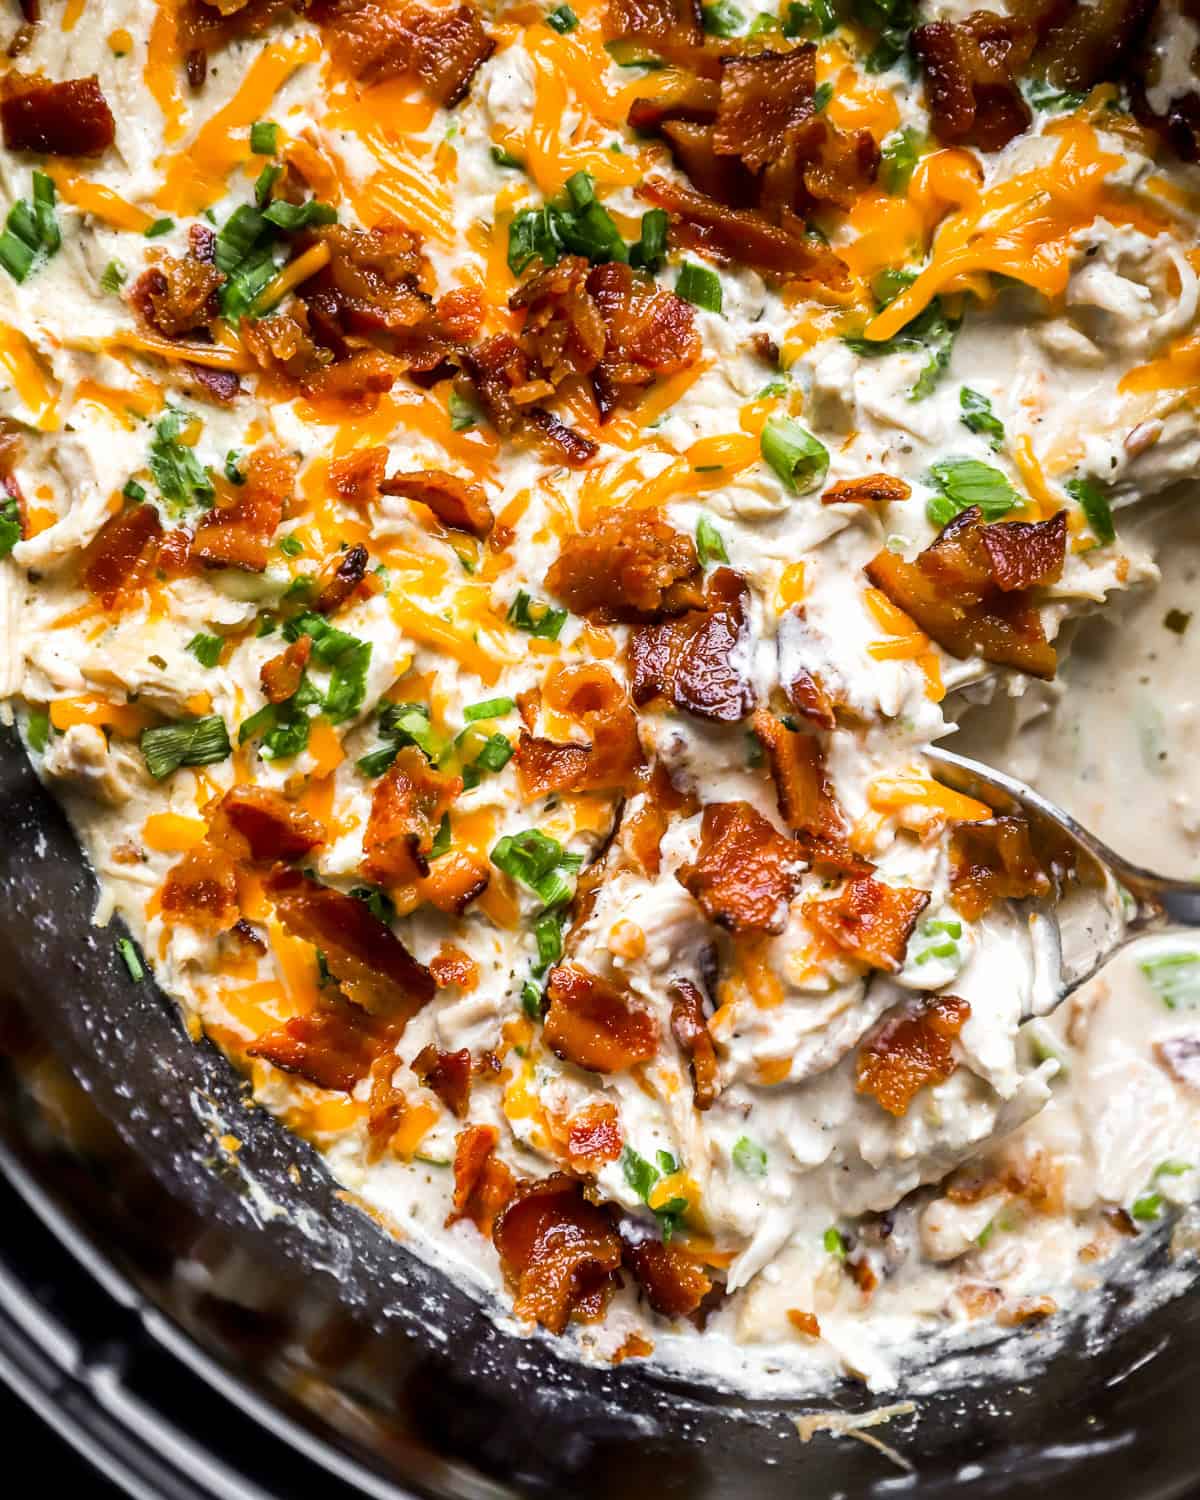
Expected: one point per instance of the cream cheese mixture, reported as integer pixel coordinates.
(496, 503)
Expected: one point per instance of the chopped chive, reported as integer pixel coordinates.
(1094, 504)
(131, 959)
(800, 461)
(264, 138)
(132, 490)
(710, 545)
(700, 286)
(535, 618)
(490, 708)
(198, 742)
(158, 228)
(291, 546)
(113, 277)
(37, 730)
(833, 1242)
(749, 1157)
(206, 649)
(562, 19)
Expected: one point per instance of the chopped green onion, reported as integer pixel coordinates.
(535, 618)
(377, 901)
(239, 234)
(348, 684)
(562, 19)
(821, 97)
(898, 159)
(640, 1174)
(49, 235)
(651, 249)
(816, 18)
(113, 277)
(537, 862)
(627, 53)
(158, 228)
(1174, 978)
(547, 934)
(441, 839)
(264, 182)
(1094, 503)
(749, 1157)
(800, 461)
(291, 217)
(463, 413)
(833, 1242)
(490, 708)
(531, 1000)
(710, 545)
(264, 138)
(722, 18)
(206, 649)
(15, 255)
(132, 490)
(978, 416)
(198, 742)
(504, 158)
(37, 730)
(233, 470)
(180, 478)
(131, 959)
(291, 546)
(964, 482)
(700, 286)
(10, 525)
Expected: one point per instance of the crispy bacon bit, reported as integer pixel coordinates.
(281, 345)
(407, 808)
(953, 591)
(175, 554)
(237, 531)
(874, 489)
(71, 118)
(1025, 555)
(689, 1027)
(674, 1282)
(1180, 1055)
(993, 861)
(559, 1253)
(911, 1050)
(593, 1024)
(355, 384)
(678, 22)
(205, 28)
(1082, 45)
(356, 478)
(177, 295)
(870, 921)
(457, 503)
(594, 1136)
(500, 371)
(201, 889)
(744, 235)
(218, 386)
(461, 312)
(563, 330)
(451, 966)
(483, 1185)
(806, 797)
(256, 823)
(448, 1074)
(333, 1046)
(339, 580)
(118, 562)
(632, 566)
(633, 1346)
(745, 872)
(765, 98)
(371, 284)
(971, 69)
(696, 660)
(612, 753)
(364, 955)
(247, 937)
(454, 881)
(280, 677)
(648, 332)
(378, 41)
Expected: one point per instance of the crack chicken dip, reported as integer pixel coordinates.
(495, 500)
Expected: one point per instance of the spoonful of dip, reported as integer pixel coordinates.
(1102, 901)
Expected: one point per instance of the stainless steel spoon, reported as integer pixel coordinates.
(1105, 904)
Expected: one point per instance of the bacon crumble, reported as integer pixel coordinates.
(971, 593)
(745, 872)
(447, 1074)
(71, 118)
(993, 861)
(632, 566)
(483, 1184)
(334, 1046)
(593, 1024)
(236, 533)
(458, 503)
(594, 1136)
(911, 1051)
(869, 920)
(695, 660)
(407, 807)
(672, 1279)
(689, 1027)
(558, 1252)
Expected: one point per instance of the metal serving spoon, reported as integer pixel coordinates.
(1106, 903)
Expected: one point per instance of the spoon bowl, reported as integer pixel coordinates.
(1102, 901)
